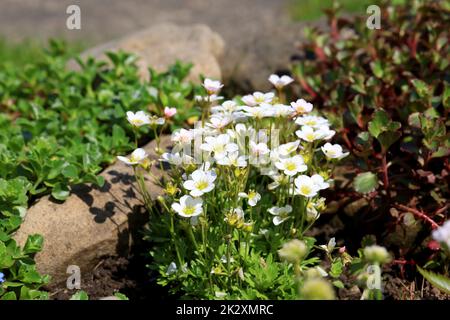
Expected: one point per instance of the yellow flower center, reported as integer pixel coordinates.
(137, 122)
(310, 136)
(290, 166)
(305, 189)
(200, 185)
(189, 211)
(219, 148)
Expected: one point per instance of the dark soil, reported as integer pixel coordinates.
(127, 275)
(131, 277)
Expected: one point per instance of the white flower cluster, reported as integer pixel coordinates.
(442, 234)
(245, 133)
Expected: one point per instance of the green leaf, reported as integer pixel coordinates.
(422, 88)
(70, 172)
(446, 97)
(437, 280)
(379, 123)
(6, 260)
(377, 69)
(9, 296)
(338, 284)
(384, 129)
(60, 191)
(80, 295)
(365, 182)
(34, 244)
(388, 138)
(121, 296)
(336, 268)
(100, 181)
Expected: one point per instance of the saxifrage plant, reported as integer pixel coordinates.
(241, 191)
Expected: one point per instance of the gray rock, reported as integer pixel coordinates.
(91, 223)
(161, 45)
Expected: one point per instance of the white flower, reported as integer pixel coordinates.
(258, 150)
(442, 234)
(176, 158)
(258, 98)
(155, 121)
(183, 136)
(278, 179)
(169, 112)
(219, 145)
(312, 209)
(292, 166)
(282, 110)
(219, 122)
(211, 86)
(311, 121)
(301, 106)
(223, 259)
(137, 119)
(253, 197)
(311, 212)
(325, 133)
(137, 156)
(233, 159)
(201, 182)
(320, 182)
(239, 212)
(281, 214)
(333, 151)
(172, 268)
(188, 207)
(228, 106)
(288, 148)
(308, 134)
(306, 186)
(330, 246)
(280, 82)
(258, 112)
(240, 131)
(211, 98)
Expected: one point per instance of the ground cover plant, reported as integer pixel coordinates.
(60, 127)
(387, 92)
(243, 188)
(333, 185)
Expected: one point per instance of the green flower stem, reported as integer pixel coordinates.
(174, 240)
(136, 145)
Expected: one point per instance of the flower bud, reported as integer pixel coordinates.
(171, 189)
(293, 232)
(376, 254)
(146, 164)
(317, 289)
(248, 227)
(293, 251)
